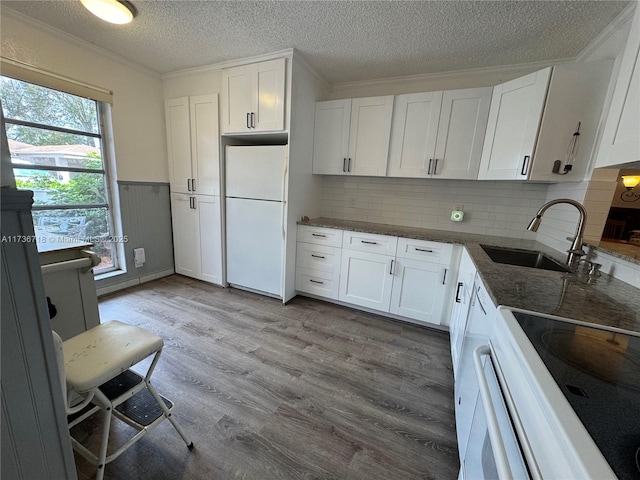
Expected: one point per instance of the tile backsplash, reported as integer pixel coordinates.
(490, 207)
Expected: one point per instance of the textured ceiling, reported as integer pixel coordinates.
(344, 40)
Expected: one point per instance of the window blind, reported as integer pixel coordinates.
(28, 73)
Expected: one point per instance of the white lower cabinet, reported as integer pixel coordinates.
(366, 279)
(197, 236)
(405, 277)
(318, 259)
(461, 305)
(418, 289)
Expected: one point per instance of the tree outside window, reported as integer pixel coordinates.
(56, 150)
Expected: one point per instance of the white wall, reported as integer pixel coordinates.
(138, 115)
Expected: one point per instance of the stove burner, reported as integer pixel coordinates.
(602, 354)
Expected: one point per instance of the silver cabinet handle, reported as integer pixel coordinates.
(248, 120)
(480, 303)
(193, 184)
(318, 235)
(430, 162)
(344, 164)
(348, 165)
(253, 120)
(435, 167)
(525, 165)
(316, 281)
(188, 184)
(317, 256)
(423, 250)
(391, 268)
(369, 243)
(444, 277)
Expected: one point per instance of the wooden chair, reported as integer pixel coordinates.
(95, 376)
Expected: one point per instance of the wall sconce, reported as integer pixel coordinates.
(112, 11)
(630, 181)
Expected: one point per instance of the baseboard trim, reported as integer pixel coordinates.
(133, 282)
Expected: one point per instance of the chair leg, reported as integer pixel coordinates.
(168, 414)
(106, 426)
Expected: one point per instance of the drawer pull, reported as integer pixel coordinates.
(318, 235)
(317, 256)
(316, 281)
(444, 277)
(423, 250)
(369, 243)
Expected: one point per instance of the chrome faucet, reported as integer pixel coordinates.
(576, 251)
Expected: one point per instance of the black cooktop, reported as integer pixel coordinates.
(598, 372)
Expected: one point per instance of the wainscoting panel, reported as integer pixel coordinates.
(145, 210)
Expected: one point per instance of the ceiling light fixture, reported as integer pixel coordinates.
(630, 181)
(112, 11)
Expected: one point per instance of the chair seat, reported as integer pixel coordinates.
(103, 352)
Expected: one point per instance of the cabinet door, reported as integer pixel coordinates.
(366, 279)
(418, 290)
(512, 128)
(185, 235)
(413, 133)
(369, 136)
(209, 239)
(461, 304)
(331, 137)
(621, 137)
(461, 130)
(268, 95)
(236, 96)
(205, 144)
(178, 143)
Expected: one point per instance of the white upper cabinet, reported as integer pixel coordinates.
(439, 134)
(413, 133)
(514, 117)
(193, 144)
(621, 138)
(352, 136)
(253, 97)
(533, 119)
(461, 130)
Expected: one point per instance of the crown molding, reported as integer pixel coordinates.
(454, 74)
(7, 12)
(613, 27)
(215, 67)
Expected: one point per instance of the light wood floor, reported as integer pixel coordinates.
(309, 390)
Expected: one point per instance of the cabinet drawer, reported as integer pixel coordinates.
(323, 284)
(424, 250)
(318, 257)
(320, 236)
(369, 242)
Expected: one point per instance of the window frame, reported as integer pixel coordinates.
(112, 204)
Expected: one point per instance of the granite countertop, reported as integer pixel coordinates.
(603, 300)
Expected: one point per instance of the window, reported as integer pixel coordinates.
(57, 151)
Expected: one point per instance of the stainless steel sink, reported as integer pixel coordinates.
(523, 258)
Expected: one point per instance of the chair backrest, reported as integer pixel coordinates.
(57, 346)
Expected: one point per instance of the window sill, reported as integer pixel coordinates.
(105, 275)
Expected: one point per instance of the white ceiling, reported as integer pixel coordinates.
(344, 41)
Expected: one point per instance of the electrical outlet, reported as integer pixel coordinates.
(352, 202)
(139, 257)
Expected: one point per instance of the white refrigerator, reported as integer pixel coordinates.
(256, 179)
